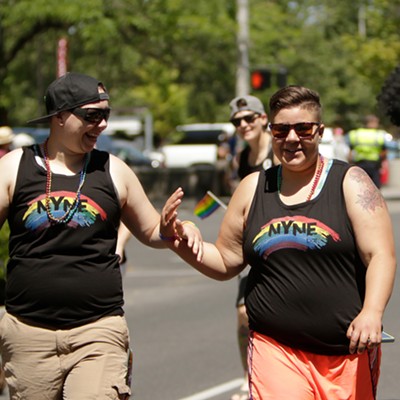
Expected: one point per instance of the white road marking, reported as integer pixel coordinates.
(216, 390)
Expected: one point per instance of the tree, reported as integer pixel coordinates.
(320, 44)
(178, 58)
(144, 57)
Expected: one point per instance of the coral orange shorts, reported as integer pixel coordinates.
(277, 371)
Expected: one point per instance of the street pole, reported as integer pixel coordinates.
(242, 72)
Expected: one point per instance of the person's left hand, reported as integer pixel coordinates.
(365, 331)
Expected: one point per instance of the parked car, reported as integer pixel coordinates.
(127, 152)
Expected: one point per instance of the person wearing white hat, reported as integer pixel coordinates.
(21, 140)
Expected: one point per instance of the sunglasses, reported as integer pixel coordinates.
(92, 115)
(248, 118)
(303, 129)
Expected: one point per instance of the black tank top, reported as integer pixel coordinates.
(66, 274)
(246, 169)
(307, 281)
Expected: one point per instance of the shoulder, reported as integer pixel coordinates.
(359, 190)
(242, 197)
(356, 176)
(123, 177)
(248, 185)
(117, 165)
(10, 163)
(11, 159)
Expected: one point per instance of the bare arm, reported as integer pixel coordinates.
(139, 215)
(137, 212)
(374, 237)
(224, 259)
(124, 234)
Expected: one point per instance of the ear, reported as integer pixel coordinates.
(60, 117)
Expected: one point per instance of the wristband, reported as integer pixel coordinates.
(168, 238)
(190, 223)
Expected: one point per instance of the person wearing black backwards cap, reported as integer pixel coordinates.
(64, 334)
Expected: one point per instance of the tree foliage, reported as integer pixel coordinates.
(177, 59)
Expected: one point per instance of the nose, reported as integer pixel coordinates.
(103, 124)
(292, 135)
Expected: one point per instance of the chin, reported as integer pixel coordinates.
(89, 145)
(292, 154)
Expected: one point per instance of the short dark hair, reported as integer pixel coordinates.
(294, 96)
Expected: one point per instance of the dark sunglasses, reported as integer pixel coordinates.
(248, 118)
(302, 129)
(92, 115)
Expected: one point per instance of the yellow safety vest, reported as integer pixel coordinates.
(367, 144)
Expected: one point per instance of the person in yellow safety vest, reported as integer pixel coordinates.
(368, 147)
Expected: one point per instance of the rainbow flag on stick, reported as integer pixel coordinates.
(207, 205)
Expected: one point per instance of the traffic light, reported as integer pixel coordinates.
(260, 79)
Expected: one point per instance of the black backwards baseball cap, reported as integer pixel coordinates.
(70, 91)
(248, 103)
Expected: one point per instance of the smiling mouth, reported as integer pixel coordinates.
(292, 150)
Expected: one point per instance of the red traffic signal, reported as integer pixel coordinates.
(260, 79)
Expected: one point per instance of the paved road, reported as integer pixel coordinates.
(183, 326)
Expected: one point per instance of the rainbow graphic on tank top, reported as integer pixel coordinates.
(36, 218)
(295, 232)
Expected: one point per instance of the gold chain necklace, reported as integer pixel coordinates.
(64, 219)
(315, 181)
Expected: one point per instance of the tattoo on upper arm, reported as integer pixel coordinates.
(371, 197)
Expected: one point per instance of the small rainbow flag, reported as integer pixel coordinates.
(207, 205)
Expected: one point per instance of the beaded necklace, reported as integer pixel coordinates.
(315, 181)
(75, 204)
